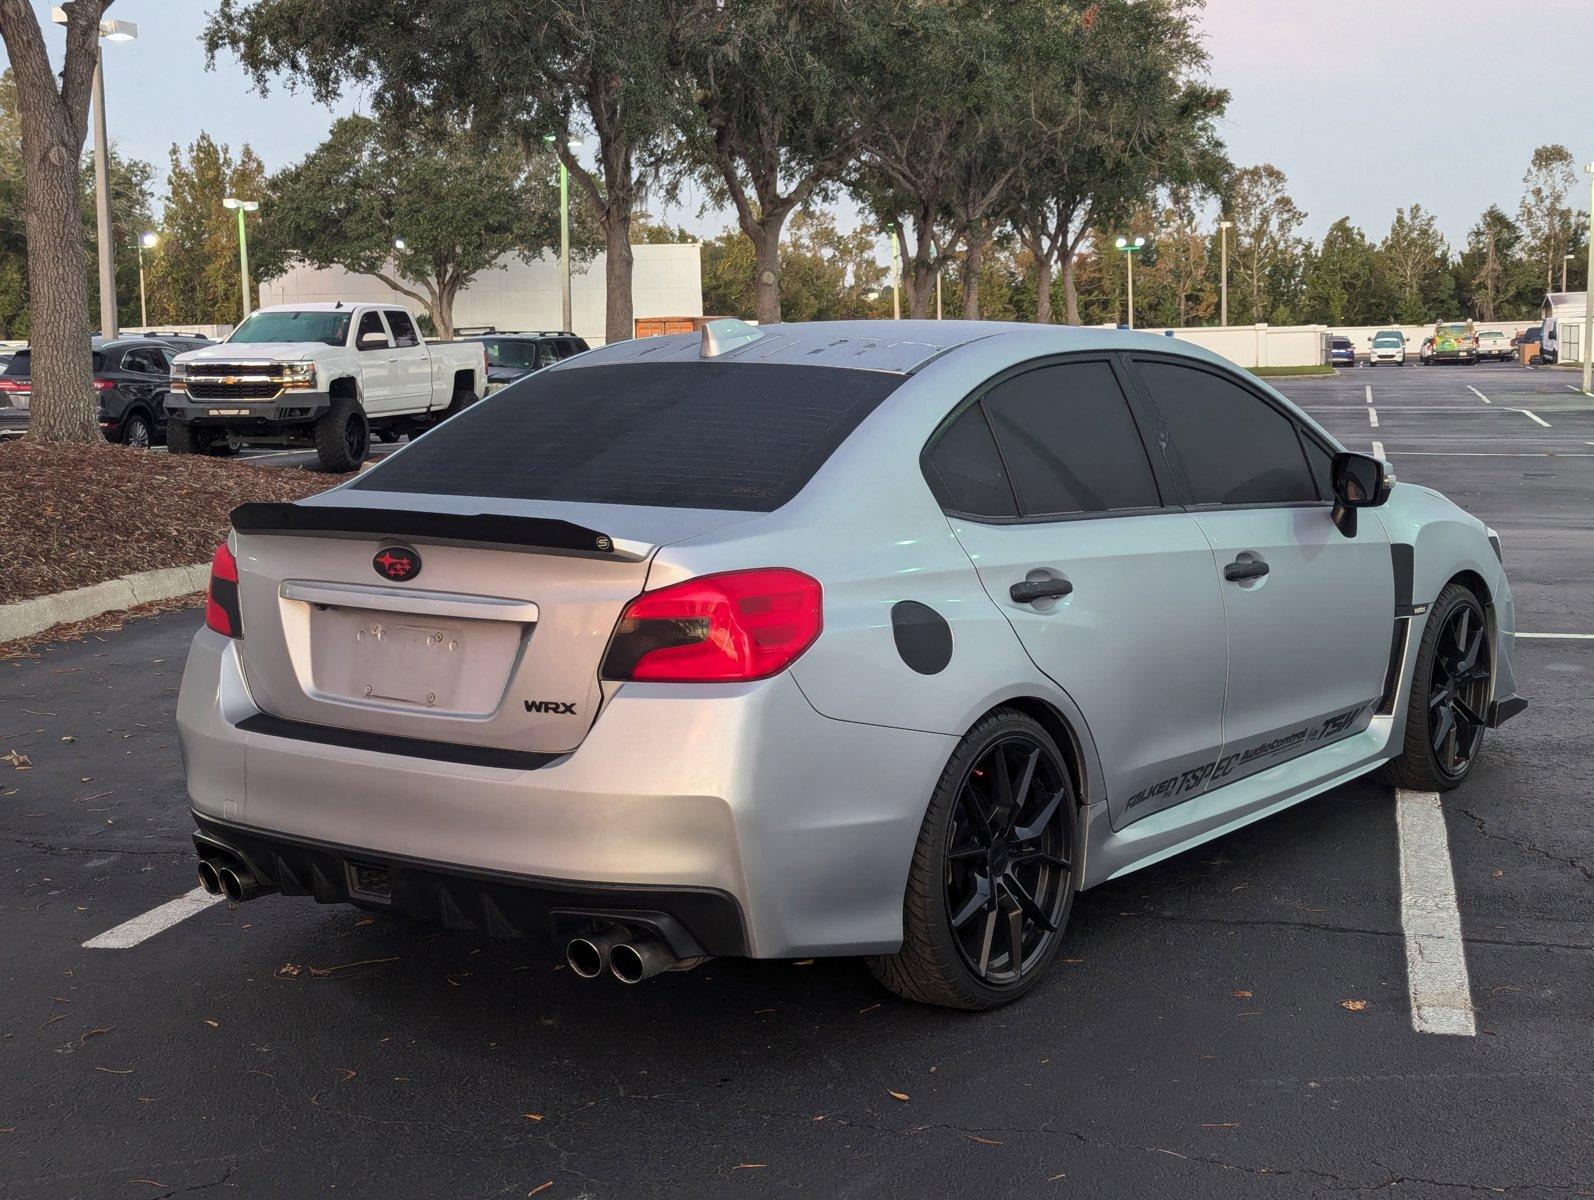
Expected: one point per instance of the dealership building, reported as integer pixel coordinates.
(666, 281)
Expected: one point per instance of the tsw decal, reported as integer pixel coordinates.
(1307, 735)
(562, 707)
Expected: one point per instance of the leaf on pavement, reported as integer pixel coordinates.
(212, 1024)
(541, 1187)
(94, 1033)
(902, 1096)
(20, 761)
(981, 1141)
(1241, 994)
(532, 1116)
(288, 970)
(1354, 1005)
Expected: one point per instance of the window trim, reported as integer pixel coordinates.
(1302, 432)
(1161, 476)
(392, 343)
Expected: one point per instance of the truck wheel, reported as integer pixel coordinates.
(462, 400)
(342, 436)
(183, 438)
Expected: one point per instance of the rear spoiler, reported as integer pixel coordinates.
(474, 529)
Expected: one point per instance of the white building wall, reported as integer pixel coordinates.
(666, 281)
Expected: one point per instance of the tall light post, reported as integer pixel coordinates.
(1588, 296)
(896, 279)
(565, 317)
(1129, 249)
(241, 207)
(111, 31)
(1565, 258)
(146, 241)
(1223, 270)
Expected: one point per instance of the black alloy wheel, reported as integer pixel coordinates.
(356, 437)
(1458, 689)
(1009, 861)
(135, 432)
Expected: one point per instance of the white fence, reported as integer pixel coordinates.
(1258, 345)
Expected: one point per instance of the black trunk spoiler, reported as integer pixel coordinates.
(471, 529)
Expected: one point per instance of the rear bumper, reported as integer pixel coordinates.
(694, 921)
(13, 422)
(288, 410)
(804, 823)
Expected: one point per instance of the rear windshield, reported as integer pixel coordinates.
(506, 353)
(1342, 343)
(1457, 327)
(741, 436)
(20, 363)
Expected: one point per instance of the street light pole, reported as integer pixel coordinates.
(1565, 258)
(242, 207)
(145, 242)
(1588, 296)
(565, 306)
(896, 279)
(1223, 270)
(110, 31)
(1129, 249)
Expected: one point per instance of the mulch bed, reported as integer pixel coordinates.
(75, 515)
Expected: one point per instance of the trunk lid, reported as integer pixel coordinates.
(494, 640)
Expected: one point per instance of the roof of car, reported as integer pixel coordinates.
(526, 334)
(897, 346)
(328, 306)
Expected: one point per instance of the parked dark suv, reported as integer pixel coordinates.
(131, 379)
(514, 355)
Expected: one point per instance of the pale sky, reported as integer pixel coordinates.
(1364, 104)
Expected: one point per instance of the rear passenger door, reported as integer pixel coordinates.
(413, 365)
(1310, 612)
(1050, 486)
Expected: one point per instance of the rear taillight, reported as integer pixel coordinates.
(104, 385)
(221, 602)
(719, 628)
(15, 385)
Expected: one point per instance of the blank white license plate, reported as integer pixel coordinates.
(22, 400)
(410, 663)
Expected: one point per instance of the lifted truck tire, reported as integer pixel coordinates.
(462, 400)
(342, 436)
(183, 438)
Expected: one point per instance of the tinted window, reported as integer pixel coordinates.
(738, 436)
(1067, 436)
(503, 352)
(1235, 447)
(143, 361)
(403, 328)
(545, 355)
(370, 322)
(21, 362)
(966, 472)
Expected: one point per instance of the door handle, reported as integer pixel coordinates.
(1237, 570)
(1028, 591)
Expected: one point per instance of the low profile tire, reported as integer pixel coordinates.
(1445, 720)
(992, 879)
(342, 436)
(136, 431)
(183, 438)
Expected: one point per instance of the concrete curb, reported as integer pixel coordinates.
(28, 617)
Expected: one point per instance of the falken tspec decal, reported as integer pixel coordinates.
(1188, 781)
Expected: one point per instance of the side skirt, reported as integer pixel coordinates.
(1110, 853)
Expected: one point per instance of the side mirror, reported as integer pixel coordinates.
(1360, 481)
(371, 340)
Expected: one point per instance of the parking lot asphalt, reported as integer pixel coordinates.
(1232, 1022)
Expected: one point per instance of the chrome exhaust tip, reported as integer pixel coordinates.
(209, 877)
(237, 884)
(588, 956)
(632, 962)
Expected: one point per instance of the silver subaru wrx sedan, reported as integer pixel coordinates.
(877, 638)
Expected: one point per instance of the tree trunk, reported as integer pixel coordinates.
(53, 125)
(973, 260)
(619, 323)
(765, 236)
(922, 293)
(1043, 290)
(1070, 292)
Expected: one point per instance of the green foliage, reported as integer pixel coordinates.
(825, 274)
(193, 272)
(1342, 279)
(459, 209)
(13, 238)
(1414, 267)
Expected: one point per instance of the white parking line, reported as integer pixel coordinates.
(1372, 417)
(1479, 394)
(1534, 417)
(1495, 453)
(1436, 961)
(1378, 448)
(141, 928)
(1369, 393)
(1559, 637)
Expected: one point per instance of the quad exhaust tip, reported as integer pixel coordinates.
(209, 877)
(237, 884)
(588, 955)
(630, 958)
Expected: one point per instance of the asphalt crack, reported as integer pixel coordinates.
(1576, 864)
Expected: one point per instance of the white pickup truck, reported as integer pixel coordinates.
(328, 375)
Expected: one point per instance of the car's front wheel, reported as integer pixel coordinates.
(1449, 706)
(343, 436)
(992, 878)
